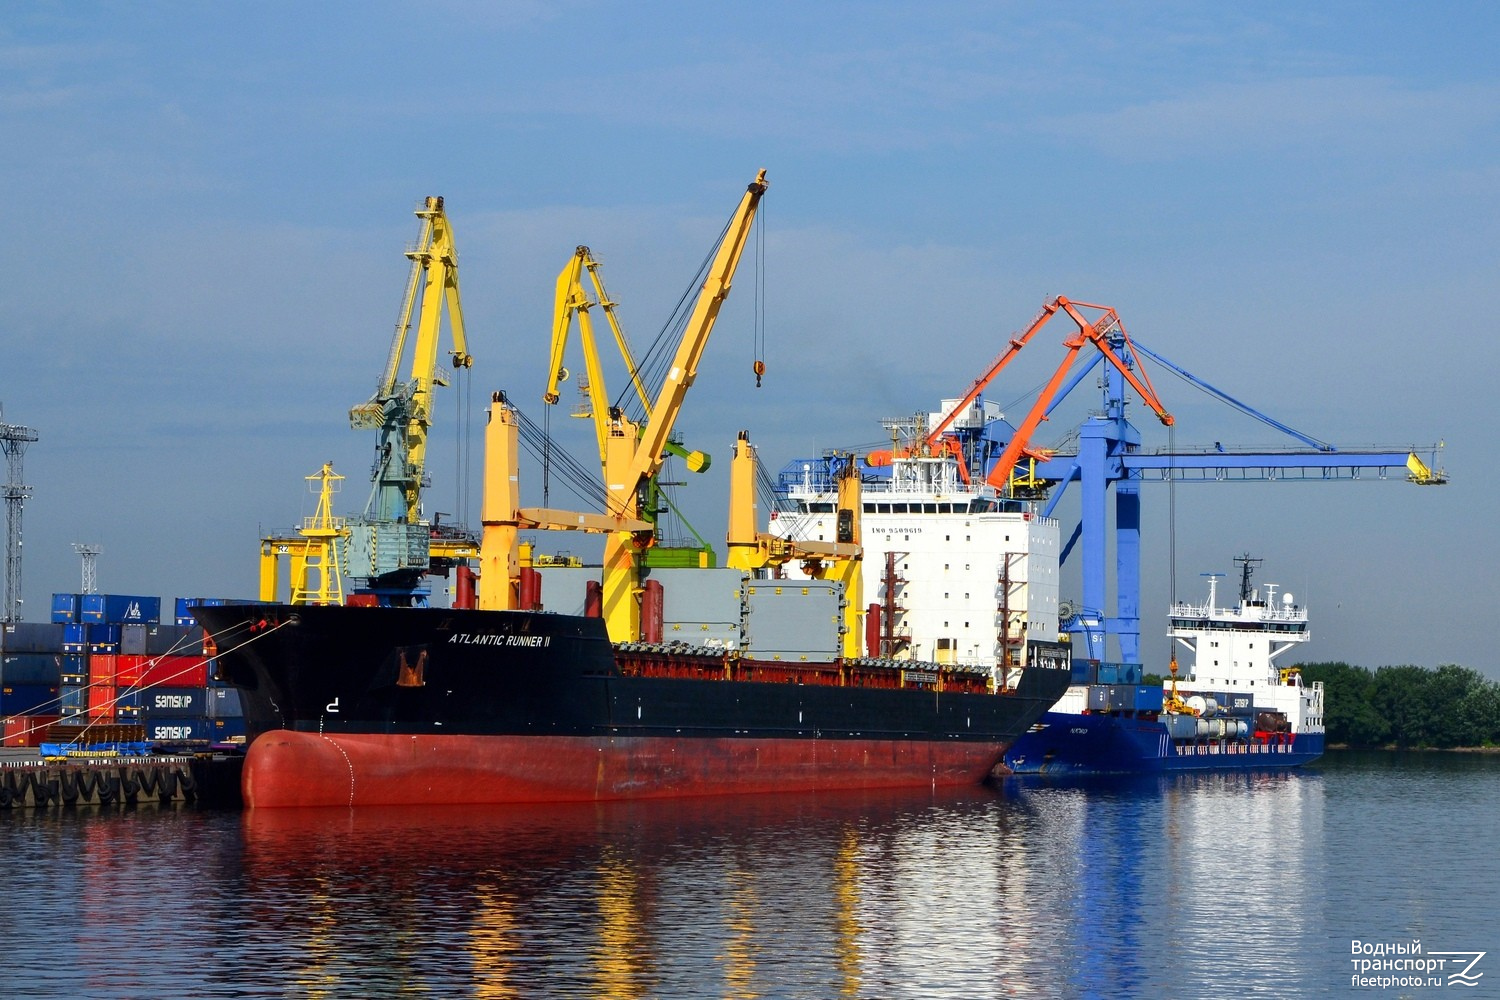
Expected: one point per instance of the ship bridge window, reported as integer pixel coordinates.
(929, 508)
(822, 508)
(885, 508)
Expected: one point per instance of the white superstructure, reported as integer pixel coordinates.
(959, 574)
(1233, 651)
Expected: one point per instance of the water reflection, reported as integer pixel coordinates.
(1181, 886)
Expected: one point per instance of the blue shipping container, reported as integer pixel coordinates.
(118, 609)
(73, 699)
(187, 728)
(31, 668)
(75, 637)
(173, 702)
(26, 699)
(65, 607)
(228, 728)
(104, 638)
(177, 640)
(224, 703)
(31, 637)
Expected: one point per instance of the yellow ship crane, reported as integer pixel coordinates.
(573, 301)
(391, 546)
(632, 455)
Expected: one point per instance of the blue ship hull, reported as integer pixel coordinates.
(1127, 744)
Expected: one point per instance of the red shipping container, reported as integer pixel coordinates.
(174, 671)
(27, 730)
(129, 667)
(102, 701)
(103, 668)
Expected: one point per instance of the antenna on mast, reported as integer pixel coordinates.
(1247, 567)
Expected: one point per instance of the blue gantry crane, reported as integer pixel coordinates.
(1105, 457)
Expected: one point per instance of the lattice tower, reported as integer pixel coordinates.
(13, 440)
(90, 556)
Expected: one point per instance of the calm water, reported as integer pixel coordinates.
(1190, 886)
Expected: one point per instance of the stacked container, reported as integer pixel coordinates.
(109, 658)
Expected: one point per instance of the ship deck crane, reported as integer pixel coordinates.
(633, 453)
(572, 302)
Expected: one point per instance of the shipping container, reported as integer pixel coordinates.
(174, 701)
(31, 637)
(173, 639)
(129, 667)
(25, 699)
(104, 668)
(224, 703)
(104, 638)
(174, 671)
(184, 728)
(119, 608)
(31, 668)
(101, 701)
(228, 728)
(26, 730)
(73, 699)
(65, 607)
(75, 638)
(133, 639)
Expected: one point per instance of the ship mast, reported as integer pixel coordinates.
(1247, 567)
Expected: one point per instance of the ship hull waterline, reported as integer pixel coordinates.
(286, 768)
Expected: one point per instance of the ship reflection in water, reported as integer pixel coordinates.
(1159, 884)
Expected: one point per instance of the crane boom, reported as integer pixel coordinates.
(1098, 333)
(633, 455)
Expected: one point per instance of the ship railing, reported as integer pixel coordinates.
(1183, 609)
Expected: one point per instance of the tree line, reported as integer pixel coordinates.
(1406, 706)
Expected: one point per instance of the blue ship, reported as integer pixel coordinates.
(1235, 709)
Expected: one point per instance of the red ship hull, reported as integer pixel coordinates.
(287, 768)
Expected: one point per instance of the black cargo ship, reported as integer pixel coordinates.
(369, 705)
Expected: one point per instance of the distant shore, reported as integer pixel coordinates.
(1346, 746)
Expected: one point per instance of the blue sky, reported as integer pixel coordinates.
(207, 207)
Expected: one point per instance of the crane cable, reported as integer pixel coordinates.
(758, 345)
